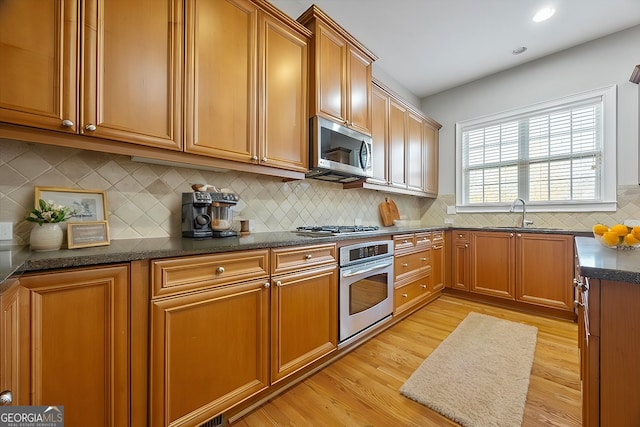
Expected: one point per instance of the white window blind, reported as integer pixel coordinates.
(551, 155)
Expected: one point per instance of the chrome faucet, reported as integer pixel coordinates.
(524, 221)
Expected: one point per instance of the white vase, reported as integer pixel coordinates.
(46, 237)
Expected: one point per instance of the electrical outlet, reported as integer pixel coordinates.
(6, 231)
(448, 220)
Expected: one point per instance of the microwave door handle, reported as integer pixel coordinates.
(366, 270)
(364, 149)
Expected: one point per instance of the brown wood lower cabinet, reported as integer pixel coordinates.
(531, 268)
(609, 348)
(69, 342)
(209, 351)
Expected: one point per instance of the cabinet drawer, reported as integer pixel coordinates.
(406, 296)
(411, 264)
(437, 237)
(461, 236)
(423, 240)
(291, 259)
(403, 242)
(176, 275)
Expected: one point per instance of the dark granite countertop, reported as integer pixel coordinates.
(23, 260)
(598, 262)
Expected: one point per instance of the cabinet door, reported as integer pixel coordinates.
(221, 79)
(79, 331)
(209, 351)
(283, 132)
(304, 319)
(359, 91)
(492, 264)
(437, 263)
(331, 77)
(431, 149)
(460, 266)
(39, 51)
(397, 114)
(132, 71)
(379, 134)
(414, 152)
(545, 270)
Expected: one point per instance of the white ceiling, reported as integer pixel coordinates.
(432, 45)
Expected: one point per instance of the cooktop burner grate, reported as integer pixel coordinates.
(336, 229)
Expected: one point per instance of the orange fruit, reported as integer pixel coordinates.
(636, 232)
(620, 229)
(631, 240)
(600, 229)
(610, 238)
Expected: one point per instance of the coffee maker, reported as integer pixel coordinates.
(221, 214)
(196, 218)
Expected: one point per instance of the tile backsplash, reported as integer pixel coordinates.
(144, 200)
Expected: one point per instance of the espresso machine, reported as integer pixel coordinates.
(221, 213)
(196, 218)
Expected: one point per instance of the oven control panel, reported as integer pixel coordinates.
(367, 251)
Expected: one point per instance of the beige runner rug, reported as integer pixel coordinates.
(479, 375)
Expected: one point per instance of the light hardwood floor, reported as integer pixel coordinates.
(361, 388)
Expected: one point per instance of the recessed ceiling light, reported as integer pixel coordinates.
(519, 50)
(543, 14)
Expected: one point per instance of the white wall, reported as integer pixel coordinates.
(603, 62)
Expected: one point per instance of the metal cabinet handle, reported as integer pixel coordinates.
(67, 123)
(405, 265)
(279, 283)
(6, 398)
(579, 285)
(90, 127)
(308, 257)
(404, 295)
(220, 270)
(267, 285)
(405, 241)
(423, 259)
(423, 286)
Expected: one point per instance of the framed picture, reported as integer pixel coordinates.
(90, 205)
(86, 234)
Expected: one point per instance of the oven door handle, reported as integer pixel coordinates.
(366, 270)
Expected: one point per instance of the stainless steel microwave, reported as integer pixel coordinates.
(338, 154)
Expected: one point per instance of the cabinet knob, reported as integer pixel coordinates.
(308, 257)
(423, 259)
(510, 234)
(404, 295)
(466, 245)
(254, 158)
(423, 286)
(405, 241)
(67, 123)
(459, 236)
(6, 398)
(267, 285)
(577, 304)
(90, 127)
(264, 159)
(405, 265)
(220, 270)
(519, 235)
(279, 283)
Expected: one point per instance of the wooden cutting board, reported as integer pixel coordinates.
(388, 211)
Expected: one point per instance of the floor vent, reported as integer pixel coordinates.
(214, 422)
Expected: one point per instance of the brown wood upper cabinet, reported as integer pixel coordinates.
(246, 84)
(340, 73)
(127, 91)
(405, 147)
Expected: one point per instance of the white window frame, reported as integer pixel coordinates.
(607, 203)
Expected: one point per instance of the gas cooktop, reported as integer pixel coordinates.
(335, 229)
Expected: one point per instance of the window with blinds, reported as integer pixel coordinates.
(552, 155)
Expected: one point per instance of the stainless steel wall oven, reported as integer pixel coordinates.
(366, 286)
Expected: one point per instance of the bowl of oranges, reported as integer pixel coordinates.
(618, 236)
